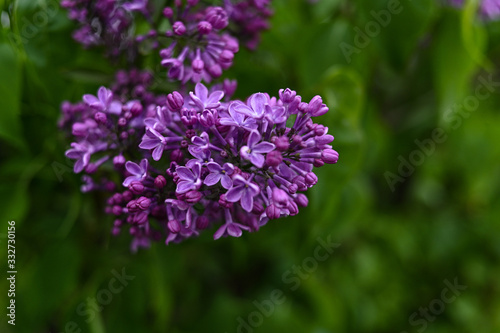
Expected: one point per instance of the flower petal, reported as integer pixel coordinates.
(263, 147)
(247, 201)
(234, 194)
(257, 102)
(234, 230)
(184, 186)
(185, 173)
(133, 168)
(212, 179)
(157, 152)
(257, 159)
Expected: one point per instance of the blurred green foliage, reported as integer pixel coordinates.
(397, 247)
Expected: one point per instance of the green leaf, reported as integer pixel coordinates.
(10, 93)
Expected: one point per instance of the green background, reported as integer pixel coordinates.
(398, 243)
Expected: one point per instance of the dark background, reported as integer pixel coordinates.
(400, 241)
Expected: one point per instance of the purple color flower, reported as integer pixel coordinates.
(244, 191)
(202, 100)
(138, 172)
(255, 107)
(254, 149)
(189, 178)
(218, 173)
(103, 101)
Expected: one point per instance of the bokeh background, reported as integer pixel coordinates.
(399, 241)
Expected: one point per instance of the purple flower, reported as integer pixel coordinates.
(82, 152)
(154, 140)
(103, 101)
(253, 150)
(244, 191)
(202, 100)
(255, 107)
(230, 228)
(234, 118)
(219, 173)
(138, 172)
(189, 178)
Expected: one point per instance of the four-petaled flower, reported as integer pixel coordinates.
(138, 172)
(189, 178)
(255, 107)
(202, 100)
(235, 118)
(253, 150)
(103, 101)
(82, 152)
(244, 191)
(219, 173)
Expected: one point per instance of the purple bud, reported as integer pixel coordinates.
(318, 163)
(273, 212)
(117, 210)
(117, 198)
(100, 117)
(179, 28)
(293, 208)
(281, 142)
(193, 197)
(324, 139)
(122, 121)
(311, 179)
(143, 203)
(215, 70)
(280, 197)
(202, 222)
(217, 17)
(160, 182)
(204, 27)
(292, 188)
(79, 129)
(300, 182)
(127, 196)
(274, 158)
(287, 95)
(316, 107)
(197, 64)
(115, 231)
(176, 155)
(118, 161)
(174, 226)
(175, 101)
(226, 56)
(329, 156)
(301, 200)
(168, 12)
(136, 187)
(136, 109)
(223, 202)
(302, 106)
(320, 130)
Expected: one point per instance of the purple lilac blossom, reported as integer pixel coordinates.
(201, 160)
(196, 42)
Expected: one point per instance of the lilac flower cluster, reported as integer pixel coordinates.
(250, 18)
(177, 163)
(105, 22)
(489, 9)
(203, 161)
(195, 42)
